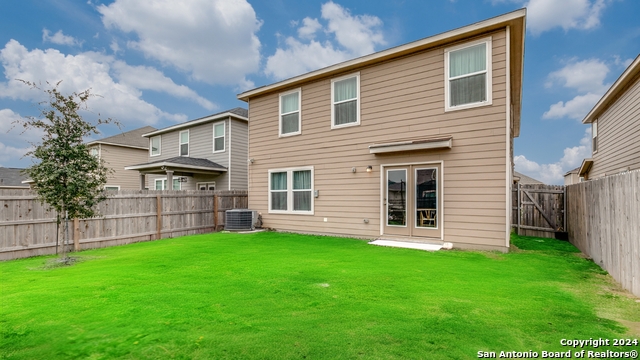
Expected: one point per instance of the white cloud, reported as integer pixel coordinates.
(554, 173)
(587, 78)
(543, 15)
(213, 40)
(118, 84)
(147, 78)
(576, 108)
(309, 28)
(59, 38)
(14, 140)
(348, 36)
(359, 34)
(584, 76)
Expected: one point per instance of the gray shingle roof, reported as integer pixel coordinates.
(129, 138)
(524, 179)
(182, 160)
(12, 177)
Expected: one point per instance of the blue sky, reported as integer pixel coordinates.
(161, 62)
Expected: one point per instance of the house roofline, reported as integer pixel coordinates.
(96, 142)
(196, 122)
(515, 19)
(611, 95)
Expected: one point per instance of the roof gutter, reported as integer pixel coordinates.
(611, 95)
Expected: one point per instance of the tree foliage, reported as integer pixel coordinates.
(65, 175)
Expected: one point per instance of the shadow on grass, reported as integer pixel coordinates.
(542, 244)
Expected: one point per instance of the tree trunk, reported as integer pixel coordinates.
(65, 242)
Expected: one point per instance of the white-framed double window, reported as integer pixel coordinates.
(211, 185)
(345, 101)
(218, 137)
(154, 145)
(468, 75)
(184, 143)
(290, 114)
(161, 184)
(291, 191)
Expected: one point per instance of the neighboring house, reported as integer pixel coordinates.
(208, 153)
(414, 142)
(120, 150)
(12, 178)
(572, 177)
(615, 125)
(522, 179)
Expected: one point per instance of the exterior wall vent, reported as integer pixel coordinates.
(239, 219)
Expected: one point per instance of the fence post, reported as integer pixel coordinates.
(215, 212)
(159, 216)
(519, 210)
(76, 234)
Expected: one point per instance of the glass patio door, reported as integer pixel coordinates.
(412, 200)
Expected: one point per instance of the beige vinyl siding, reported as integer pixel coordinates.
(400, 99)
(239, 141)
(618, 134)
(116, 158)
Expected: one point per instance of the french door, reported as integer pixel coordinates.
(412, 200)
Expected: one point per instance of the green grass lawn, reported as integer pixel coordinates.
(287, 296)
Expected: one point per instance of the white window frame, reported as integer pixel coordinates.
(333, 81)
(117, 187)
(205, 183)
(290, 191)
(224, 136)
(159, 145)
(487, 71)
(299, 111)
(594, 136)
(180, 143)
(164, 180)
(97, 152)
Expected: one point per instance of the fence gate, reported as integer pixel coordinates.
(539, 210)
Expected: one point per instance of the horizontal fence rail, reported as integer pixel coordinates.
(28, 228)
(603, 218)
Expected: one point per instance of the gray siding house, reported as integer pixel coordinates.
(209, 153)
(615, 125)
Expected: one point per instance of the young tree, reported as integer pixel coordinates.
(65, 175)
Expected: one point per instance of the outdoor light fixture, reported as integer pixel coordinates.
(369, 168)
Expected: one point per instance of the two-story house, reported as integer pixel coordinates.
(413, 143)
(120, 150)
(209, 153)
(615, 128)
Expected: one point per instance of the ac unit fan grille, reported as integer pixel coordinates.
(239, 219)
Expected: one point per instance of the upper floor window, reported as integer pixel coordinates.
(345, 101)
(184, 143)
(154, 145)
(218, 137)
(468, 75)
(93, 152)
(290, 113)
(594, 135)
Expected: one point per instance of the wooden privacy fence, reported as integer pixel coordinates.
(603, 218)
(28, 228)
(538, 210)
